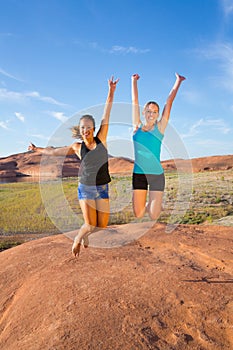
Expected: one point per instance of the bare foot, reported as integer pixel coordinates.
(85, 241)
(76, 248)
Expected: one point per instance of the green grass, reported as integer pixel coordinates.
(8, 244)
(22, 210)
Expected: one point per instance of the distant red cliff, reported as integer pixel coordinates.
(33, 164)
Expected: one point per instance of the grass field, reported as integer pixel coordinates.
(52, 207)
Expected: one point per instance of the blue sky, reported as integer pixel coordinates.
(56, 57)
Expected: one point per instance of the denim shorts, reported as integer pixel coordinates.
(93, 192)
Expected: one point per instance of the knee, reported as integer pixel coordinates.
(155, 214)
(102, 225)
(88, 227)
(139, 213)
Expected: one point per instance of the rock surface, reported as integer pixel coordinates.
(162, 291)
(33, 164)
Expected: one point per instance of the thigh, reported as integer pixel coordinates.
(156, 182)
(140, 182)
(103, 210)
(88, 207)
(156, 197)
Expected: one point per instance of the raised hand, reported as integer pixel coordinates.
(135, 77)
(31, 147)
(180, 77)
(112, 83)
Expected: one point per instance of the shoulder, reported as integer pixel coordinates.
(137, 127)
(100, 140)
(161, 127)
(97, 139)
(76, 146)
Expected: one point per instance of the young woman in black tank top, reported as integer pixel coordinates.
(93, 176)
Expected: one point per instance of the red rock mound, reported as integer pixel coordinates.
(200, 164)
(120, 165)
(164, 291)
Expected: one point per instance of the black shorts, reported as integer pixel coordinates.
(155, 182)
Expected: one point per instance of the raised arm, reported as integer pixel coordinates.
(167, 108)
(135, 104)
(59, 151)
(103, 130)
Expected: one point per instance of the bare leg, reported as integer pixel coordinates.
(103, 209)
(96, 215)
(102, 212)
(139, 202)
(84, 230)
(154, 206)
(88, 208)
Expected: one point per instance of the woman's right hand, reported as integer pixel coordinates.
(112, 84)
(32, 147)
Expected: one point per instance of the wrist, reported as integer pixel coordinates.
(111, 92)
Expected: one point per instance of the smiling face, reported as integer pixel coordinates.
(87, 128)
(151, 112)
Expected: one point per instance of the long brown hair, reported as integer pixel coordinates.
(76, 128)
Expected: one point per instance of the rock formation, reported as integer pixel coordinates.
(33, 164)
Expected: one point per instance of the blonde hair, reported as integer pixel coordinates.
(76, 128)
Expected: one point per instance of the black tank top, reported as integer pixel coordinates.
(94, 165)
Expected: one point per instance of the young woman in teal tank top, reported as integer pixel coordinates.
(148, 174)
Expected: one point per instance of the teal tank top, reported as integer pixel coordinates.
(147, 149)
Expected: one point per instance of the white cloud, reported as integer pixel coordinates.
(51, 100)
(8, 75)
(21, 96)
(127, 50)
(215, 124)
(223, 53)
(193, 130)
(227, 6)
(3, 125)
(218, 124)
(117, 49)
(10, 95)
(58, 115)
(20, 116)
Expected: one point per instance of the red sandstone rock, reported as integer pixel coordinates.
(163, 291)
